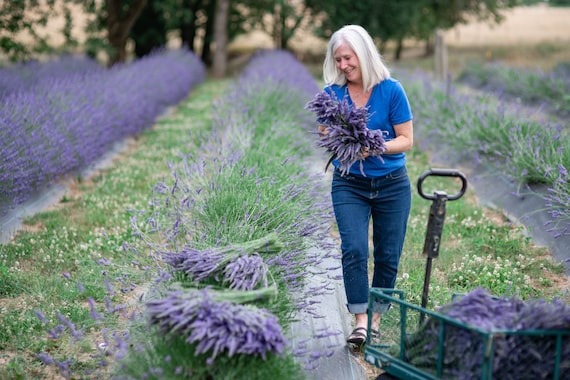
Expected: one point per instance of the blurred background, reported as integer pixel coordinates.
(427, 34)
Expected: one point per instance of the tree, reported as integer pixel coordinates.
(22, 16)
(221, 37)
(210, 15)
(396, 20)
(279, 18)
(183, 16)
(119, 20)
(149, 31)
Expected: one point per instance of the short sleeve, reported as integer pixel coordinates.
(400, 109)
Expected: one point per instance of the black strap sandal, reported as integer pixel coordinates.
(374, 334)
(357, 337)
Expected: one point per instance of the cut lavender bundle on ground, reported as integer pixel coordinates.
(346, 136)
(218, 322)
(246, 272)
(238, 265)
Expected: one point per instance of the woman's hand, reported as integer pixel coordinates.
(323, 131)
(364, 153)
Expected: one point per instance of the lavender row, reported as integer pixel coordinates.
(248, 179)
(25, 75)
(532, 154)
(64, 123)
(546, 89)
(245, 180)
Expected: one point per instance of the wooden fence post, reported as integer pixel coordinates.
(441, 64)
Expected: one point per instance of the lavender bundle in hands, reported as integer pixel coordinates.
(346, 136)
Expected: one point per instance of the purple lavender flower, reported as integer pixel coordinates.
(347, 137)
(41, 316)
(246, 272)
(196, 264)
(93, 307)
(240, 265)
(217, 326)
(45, 358)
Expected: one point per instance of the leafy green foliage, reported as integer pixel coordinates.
(396, 20)
(10, 285)
(21, 16)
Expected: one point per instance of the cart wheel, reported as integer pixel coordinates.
(386, 376)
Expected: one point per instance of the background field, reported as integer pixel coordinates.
(523, 25)
(521, 28)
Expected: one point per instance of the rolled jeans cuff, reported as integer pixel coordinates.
(380, 307)
(357, 308)
(362, 308)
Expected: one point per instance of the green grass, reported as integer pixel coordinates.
(58, 261)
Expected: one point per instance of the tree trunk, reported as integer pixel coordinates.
(119, 26)
(188, 35)
(277, 27)
(209, 32)
(188, 29)
(221, 38)
(428, 51)
(399, 49)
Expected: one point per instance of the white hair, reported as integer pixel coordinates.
(371, 64)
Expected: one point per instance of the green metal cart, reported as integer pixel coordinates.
(392, 351)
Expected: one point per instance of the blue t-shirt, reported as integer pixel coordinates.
(388, 105)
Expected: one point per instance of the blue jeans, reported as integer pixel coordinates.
(387, 200)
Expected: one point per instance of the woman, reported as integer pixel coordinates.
(353, 69)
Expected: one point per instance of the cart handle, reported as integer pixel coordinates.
(442, 173)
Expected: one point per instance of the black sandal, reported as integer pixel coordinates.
(356, 337)
(374, 334)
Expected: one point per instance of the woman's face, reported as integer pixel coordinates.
(347, 62)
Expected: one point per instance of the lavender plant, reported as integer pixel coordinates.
(234, 192)
(62, 124)
(509, 139)
(346, 136)
(535, 87)
(23, 76)
(261, 70)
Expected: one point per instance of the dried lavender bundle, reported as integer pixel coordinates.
(246, 272)
(239, 265)
(512, 352)
(346, 137)
(218, 325)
